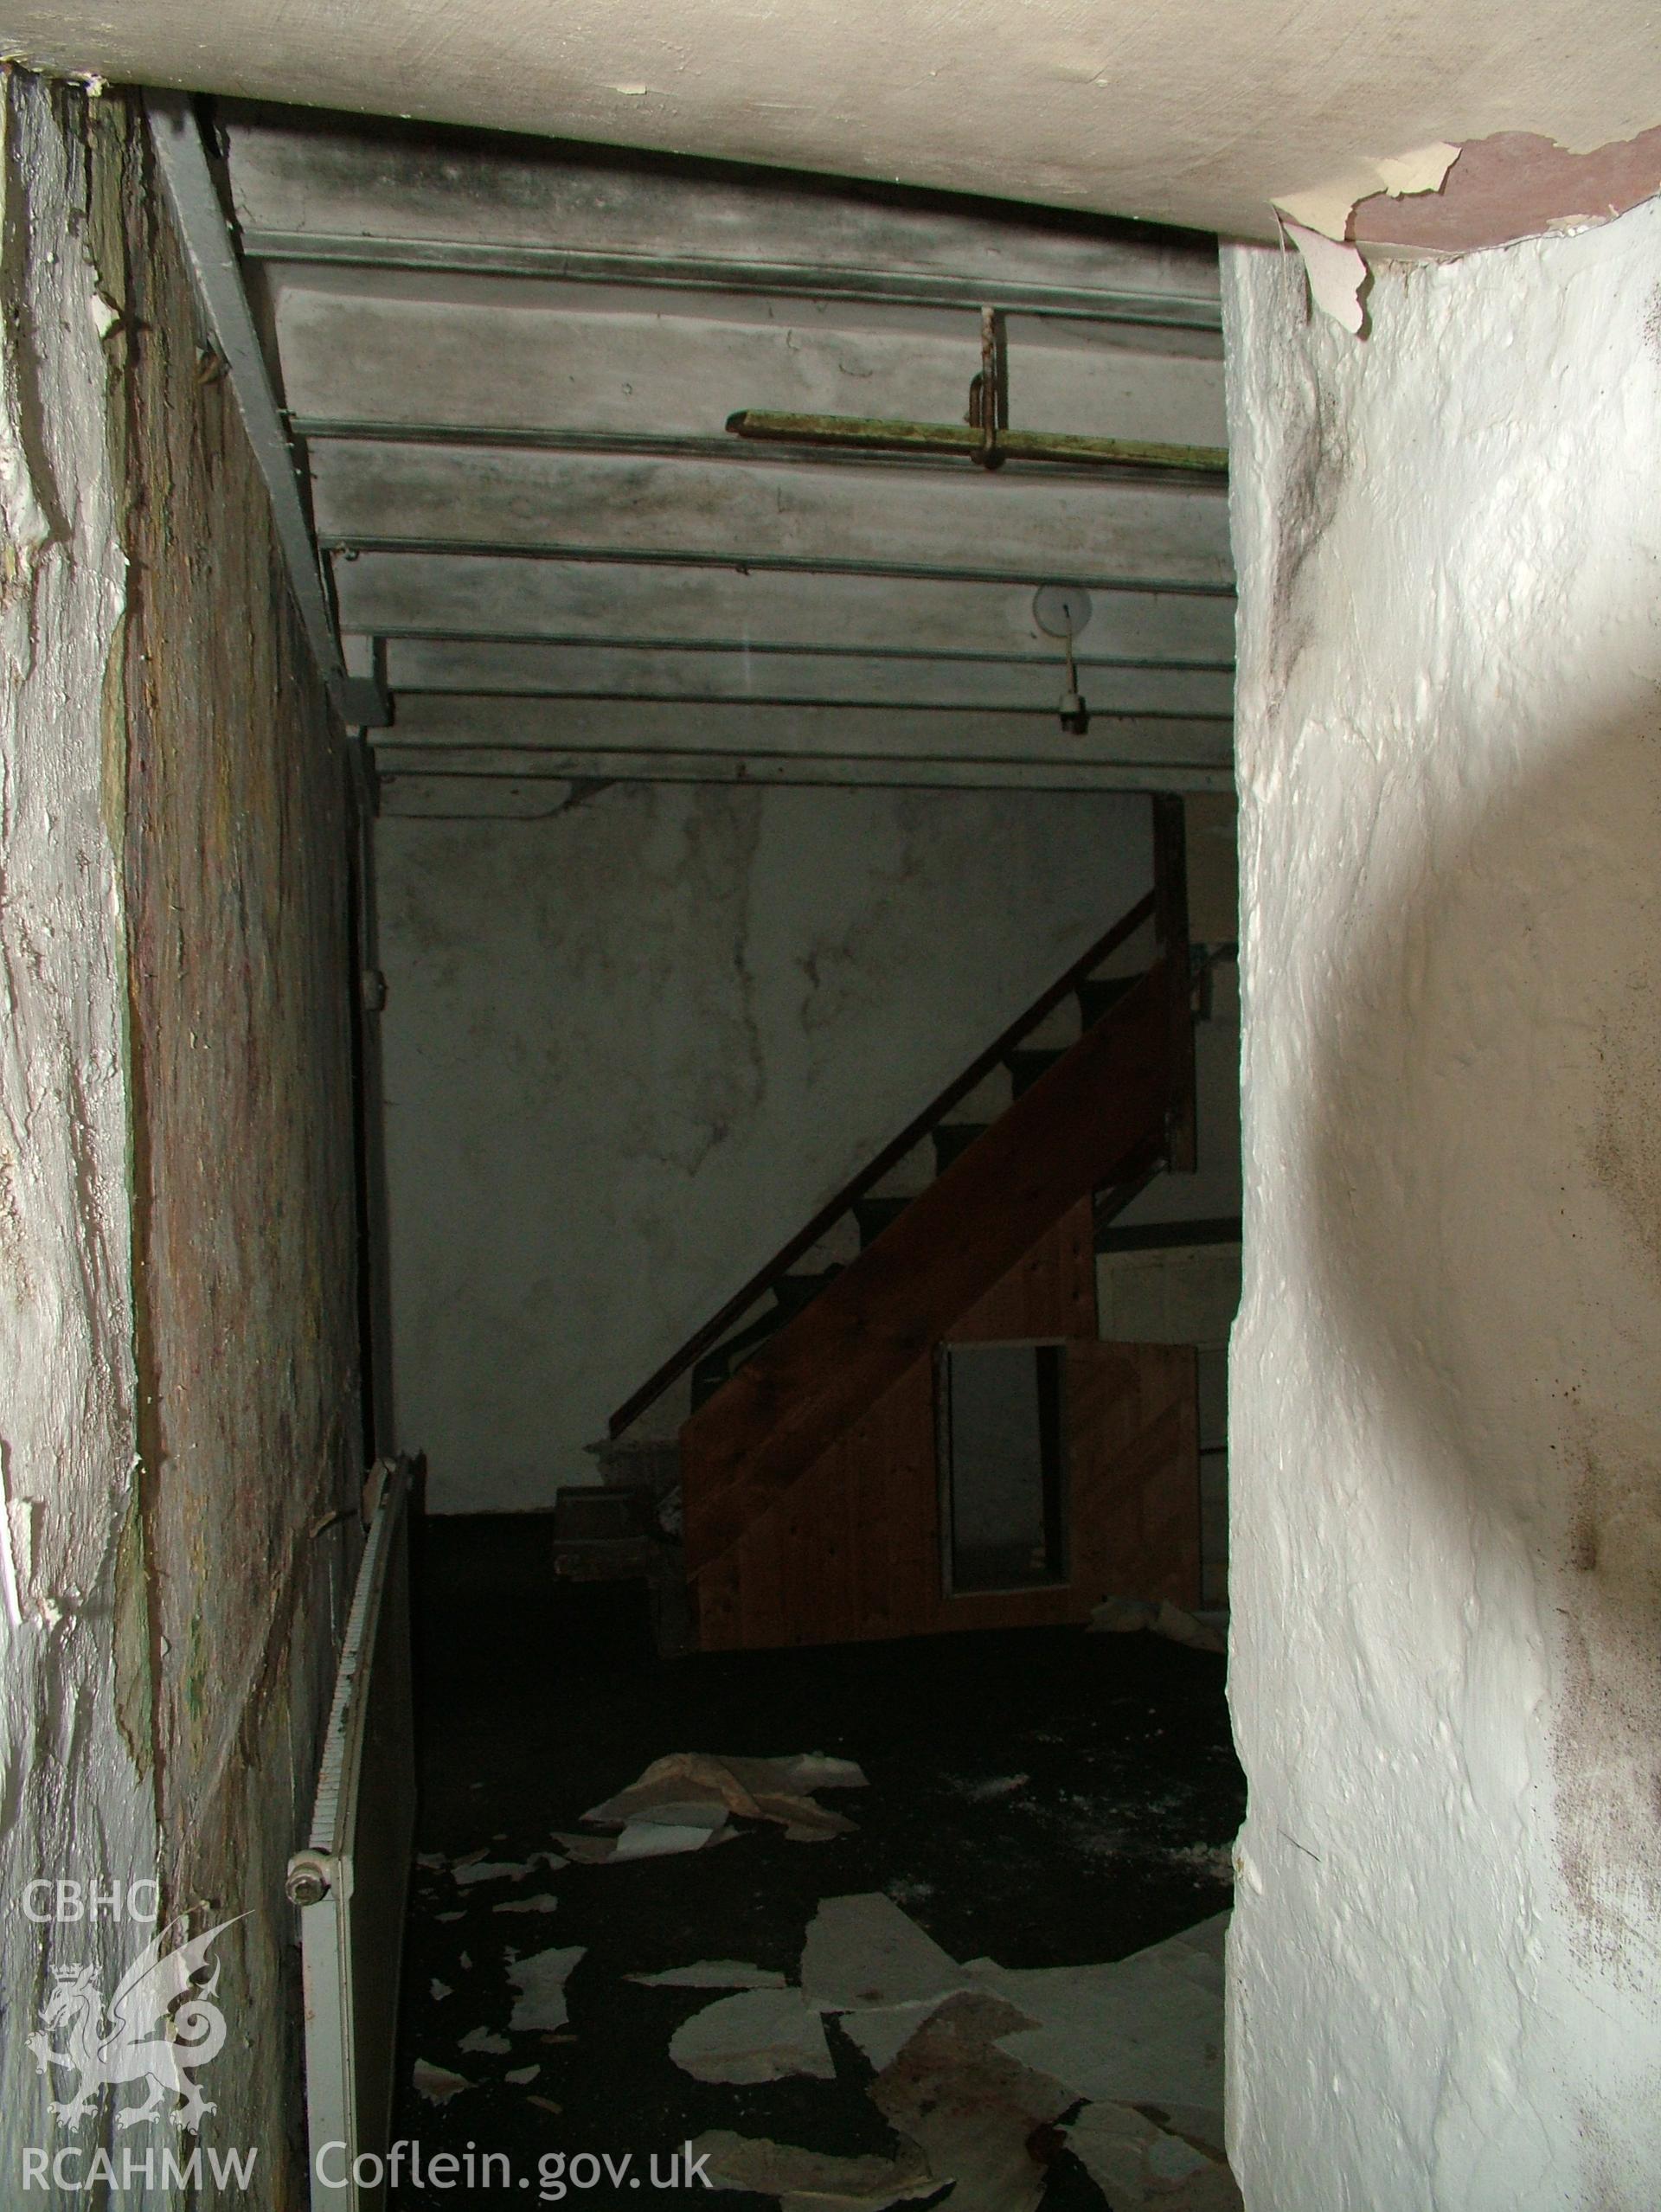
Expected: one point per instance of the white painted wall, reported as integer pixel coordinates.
(74, 1801)
(1446, 1400)
(631, 1049)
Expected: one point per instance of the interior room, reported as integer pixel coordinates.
(827, 1229)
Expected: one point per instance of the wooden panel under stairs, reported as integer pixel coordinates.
(811, 1481)
(854, 1550)
(1072, 1132)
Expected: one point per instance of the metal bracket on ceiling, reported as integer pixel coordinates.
(175, 131)
(984, 436)
(988, 392)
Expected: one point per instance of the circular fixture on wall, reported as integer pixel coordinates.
(1061, 611)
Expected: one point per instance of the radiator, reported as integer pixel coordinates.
(351, 1882)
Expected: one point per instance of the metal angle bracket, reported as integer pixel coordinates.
(175, 131)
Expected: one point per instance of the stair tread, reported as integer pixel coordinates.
(1098, 996)
(1026, 1063)
(953, 1138)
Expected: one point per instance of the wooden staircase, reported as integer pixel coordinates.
(811, 1493)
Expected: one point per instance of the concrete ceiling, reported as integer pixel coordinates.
(1186, 112)
(506, 368)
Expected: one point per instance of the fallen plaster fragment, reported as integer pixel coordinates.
(973, 2112)
(882, 2035)
(439, 1989)
(477, 1868)
(862, 1952)
(521, 2074)
(484, 2039)
(1147, 2030)
(712, 1974)
(1185, 1627)
(993, 1789)
(1335, 272)
(1125, 1616)
(664, 1839)
(541, 1981)
(544, 1903)
(545, 2104)
(811, 2181)
(1327, 209)
(1122, 1616)
(1140, 2167)
(753, 1789)
(647, 1839)
(758, 2035)
(449, 1916)
(817, 1770)
(588, 1850)
(437, 2083)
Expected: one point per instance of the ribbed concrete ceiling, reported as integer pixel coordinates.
(1180, 111)
(508, 367)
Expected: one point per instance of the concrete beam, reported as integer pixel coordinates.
(319, 184)
(416, 665)
(431, 723)
(975, 525)
(533, 789)
(592, 360)
(476, 598)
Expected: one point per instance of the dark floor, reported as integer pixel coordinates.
(1042, 1797)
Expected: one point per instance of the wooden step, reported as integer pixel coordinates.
(953, 1138)
(875, 1214)
(1027, 1066)
(1063, 1026)
(792, 1294)
(1099, 995)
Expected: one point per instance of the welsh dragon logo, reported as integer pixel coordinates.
(160, 2025)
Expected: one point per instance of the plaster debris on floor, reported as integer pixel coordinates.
(541, 1981)
(437, 2083)
(684, 1801)
(712, 1974)
(805, 2180)
(975, 2063)
(755, 2036)
(957, 2001)
(476, 1867)
(1201, 1632)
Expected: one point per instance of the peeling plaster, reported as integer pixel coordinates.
(73, 1798)
(1184, 114)
(178, 1328)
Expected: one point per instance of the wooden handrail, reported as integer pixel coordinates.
(913, 1134)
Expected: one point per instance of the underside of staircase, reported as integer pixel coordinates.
(811, 1464)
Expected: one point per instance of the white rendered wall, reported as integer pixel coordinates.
(629, 1049)
(74, 1801)
(1446, 1437)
